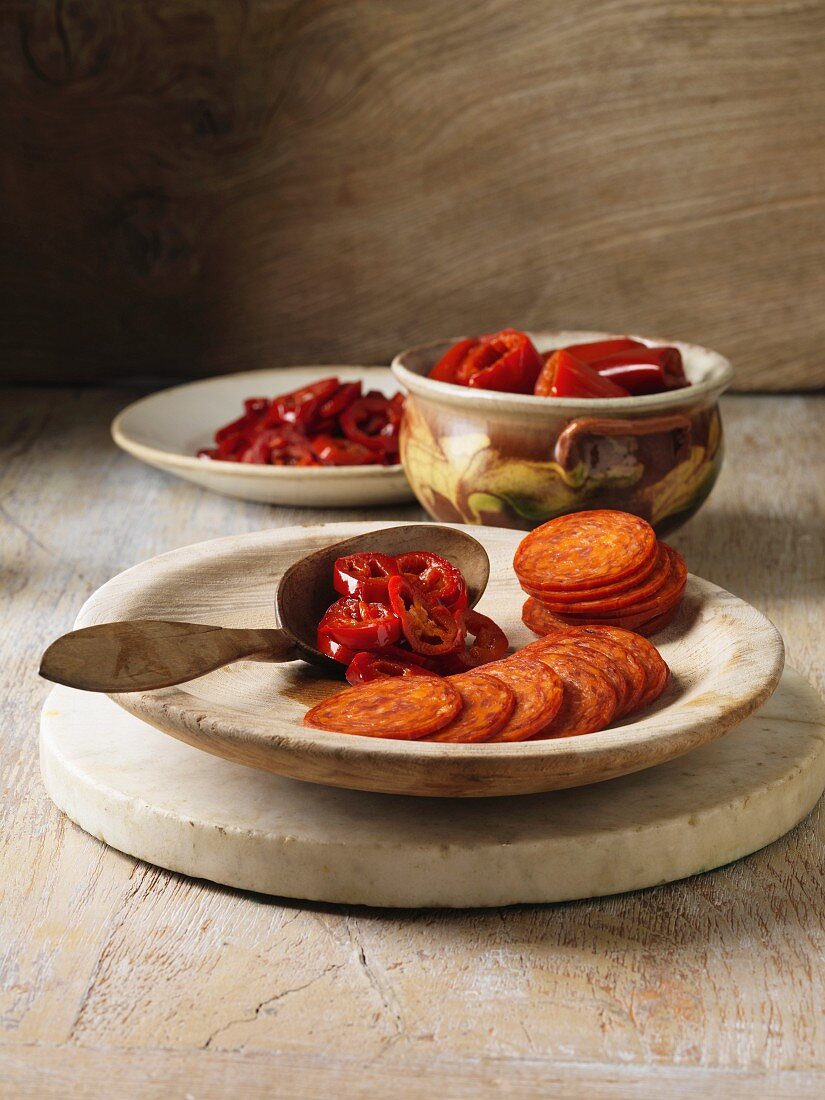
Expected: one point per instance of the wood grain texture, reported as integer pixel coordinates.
(119, 979)
(197, 187)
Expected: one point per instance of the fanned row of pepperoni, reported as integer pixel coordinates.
(602, 568)
(576, 681)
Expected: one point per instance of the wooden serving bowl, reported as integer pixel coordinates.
(510, 460)
(726, 659)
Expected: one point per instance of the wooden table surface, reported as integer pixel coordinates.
(120, 979)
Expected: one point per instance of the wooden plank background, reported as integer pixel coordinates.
(197, 186)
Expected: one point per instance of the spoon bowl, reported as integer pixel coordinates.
(147, 654)
(305, 590)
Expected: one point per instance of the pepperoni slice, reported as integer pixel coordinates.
(540, 619)
(626, 675)
(655, 688)
(399, 707)
(487, 703)
(658, 622)
(592, 592)
(600, 601)
(658, 604)
(538, 692)
(589, 701)
(647, 617)
(645, 653)
(644, 668)
(584, 549)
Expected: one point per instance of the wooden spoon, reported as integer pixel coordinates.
(144, 654)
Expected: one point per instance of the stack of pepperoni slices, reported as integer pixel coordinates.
(575, 681)
(602, 568)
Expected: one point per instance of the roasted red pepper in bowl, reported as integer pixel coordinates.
(508, 362)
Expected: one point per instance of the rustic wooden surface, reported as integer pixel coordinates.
(202, 186)
(118, 979)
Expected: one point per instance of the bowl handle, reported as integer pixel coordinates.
(578, 430)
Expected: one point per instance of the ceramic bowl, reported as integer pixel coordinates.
(166, 428)
(507, 460)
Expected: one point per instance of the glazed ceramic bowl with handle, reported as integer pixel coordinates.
(511, 460)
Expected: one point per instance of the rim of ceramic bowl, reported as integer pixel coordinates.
(178, 460)
(709, 372)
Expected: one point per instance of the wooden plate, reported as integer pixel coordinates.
(726, 659)
(166, 429)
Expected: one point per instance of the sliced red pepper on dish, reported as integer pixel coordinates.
(489, 642)
(332, 408)
(365, 575)
(280, 446)
(429, 627)
(341, 452)
(377, 666)
(446, 367)
(302, 406)
(372, 421)
(354, 623)
(436, 576)
(571, 378)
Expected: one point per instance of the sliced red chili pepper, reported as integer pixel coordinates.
(243, 424)
(489, 642)
(669, 361)
(449, 363)
(280, 446)
(341, 452)
(333, 649)
(335, 405)
(401, 651)
(436, 576)
(361, 625)
(506, 361)
(373, 422)
(377, 666)
(301, 407)
(428, 626)
(575, 379)
(364, 575)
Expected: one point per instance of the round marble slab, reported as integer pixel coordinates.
(170, 804)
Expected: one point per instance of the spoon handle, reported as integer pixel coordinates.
(144, 654)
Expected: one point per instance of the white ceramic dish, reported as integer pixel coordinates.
(166, 429)
(725, 656)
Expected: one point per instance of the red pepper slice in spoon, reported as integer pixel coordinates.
(360, 625)
(376, 666)
(489, 642)
(428, 626)
(436, 576)
(365, 575)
